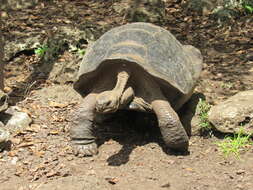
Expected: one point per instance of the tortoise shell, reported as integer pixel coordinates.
(153, 48)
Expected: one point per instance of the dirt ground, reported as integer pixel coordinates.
(131, 151)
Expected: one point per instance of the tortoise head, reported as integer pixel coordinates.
(195, 58)
(107, 102)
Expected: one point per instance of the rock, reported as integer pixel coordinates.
(17, 4)
(65, 72)
(202, 7)
(18, 121)
(75, 40)
(22, 42)
(4, 136)
(234, 114)
(249, 56)
(225, 14)
(1, 59)
(141, 10)
(196, 126)
(221, 10)
(3, 101)
(121, 7)
(14, 160)
(55, 39)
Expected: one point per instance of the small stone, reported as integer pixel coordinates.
(249, 57)
(4, 135)
(219, 75)
(4, 101)
(18, 121)
(4, 14)
(14, 160)
(239, 187)
(239, 172)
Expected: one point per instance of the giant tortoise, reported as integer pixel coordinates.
(137, 66)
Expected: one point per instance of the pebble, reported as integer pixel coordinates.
(239, 172)
(14, 160)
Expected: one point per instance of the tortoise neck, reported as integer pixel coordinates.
(122, 78)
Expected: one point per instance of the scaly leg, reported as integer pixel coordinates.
(172, 130)
(81, 133)
(127, 97)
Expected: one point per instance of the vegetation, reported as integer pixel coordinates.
(243, 5)
(248, 7)
(227, 85)
(81, 52)
(202, 111)
(40, 51)
(235, 144)
(77, 50)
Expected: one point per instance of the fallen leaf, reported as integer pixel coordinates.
(16, 140)
(12, 153)
(26, 111)
(54, 132)
(189, 169)
(112, 180)
(59, 119)
(35, 106)
(25, 144)
(52, 173)
(7, 89)
(39, 153)
(33, 128)
(57, 105)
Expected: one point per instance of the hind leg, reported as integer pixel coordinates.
(173, 132)
(81, 133)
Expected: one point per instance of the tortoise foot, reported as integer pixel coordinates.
(85, 150)
(175, 136)
(178, 143)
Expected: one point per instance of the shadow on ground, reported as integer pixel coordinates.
(132, 129)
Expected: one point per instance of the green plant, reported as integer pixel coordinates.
(248, 7)
(81, 52)
(40, 51)
(202, 111)
(235, 144)
(236, 5)
(227, 85)
(77, 50)
(244, 5)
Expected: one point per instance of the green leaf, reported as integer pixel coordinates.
(248, 8)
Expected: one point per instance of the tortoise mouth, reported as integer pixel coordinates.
(104, 110)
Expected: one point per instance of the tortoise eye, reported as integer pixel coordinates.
(3, 99)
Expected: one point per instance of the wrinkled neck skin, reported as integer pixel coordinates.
(122, 77)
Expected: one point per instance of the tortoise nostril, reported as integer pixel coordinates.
(3, 100)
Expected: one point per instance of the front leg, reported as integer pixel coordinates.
(172, 130)
(81, 133)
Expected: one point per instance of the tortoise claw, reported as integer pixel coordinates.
(85, 150)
